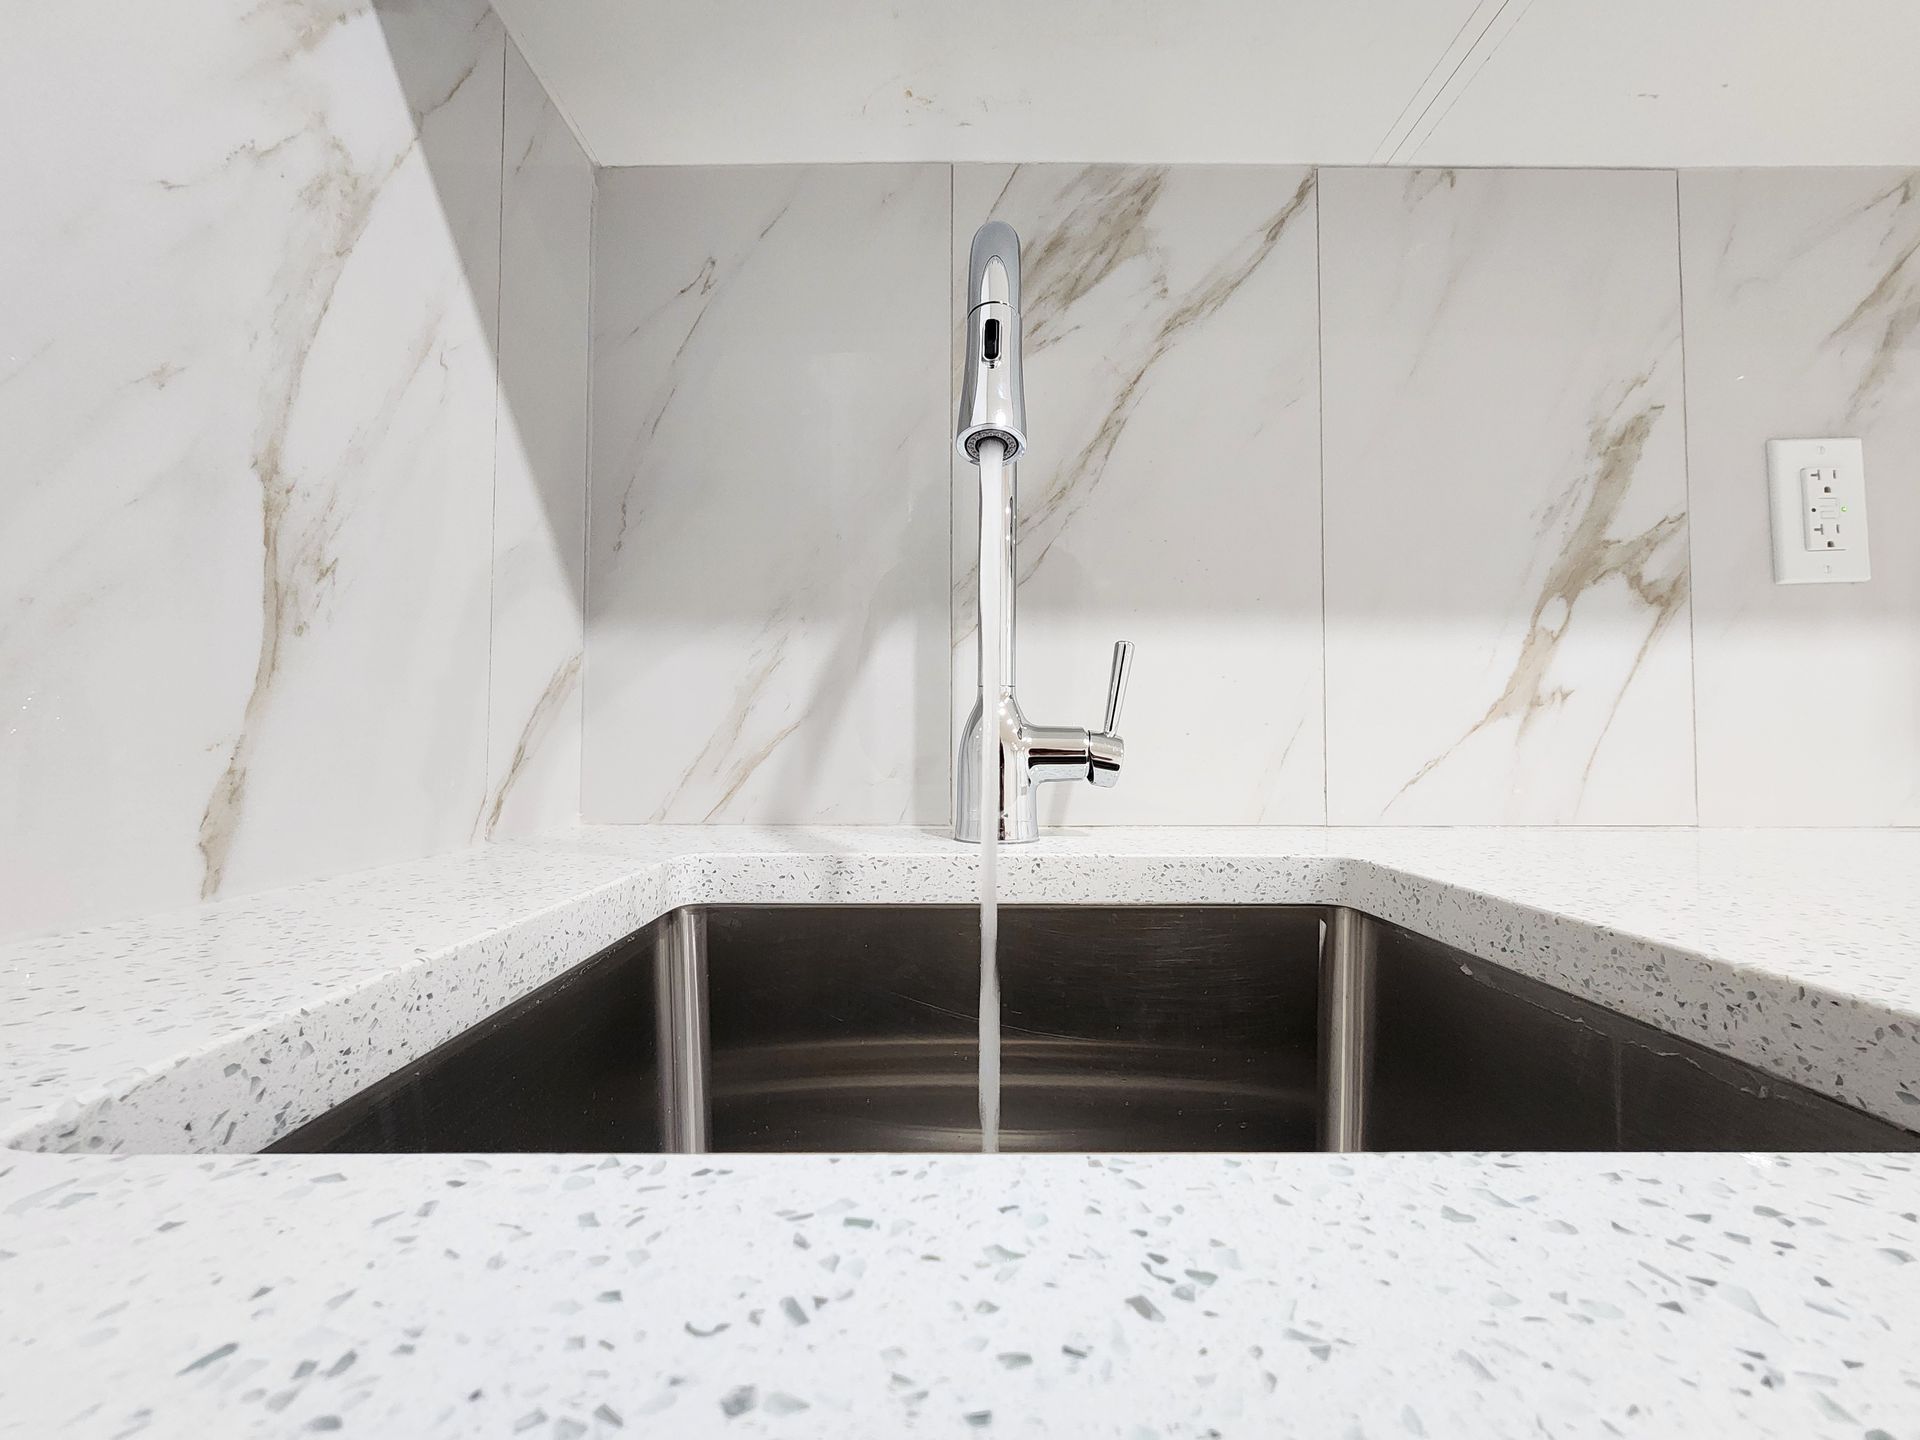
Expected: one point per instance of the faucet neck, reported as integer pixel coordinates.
(1003, 522)
(993, 267)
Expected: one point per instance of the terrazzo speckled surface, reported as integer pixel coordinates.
(1402, 1295)
(1303, 1295)
(218, 1028)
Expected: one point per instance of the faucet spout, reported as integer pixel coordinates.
(993, 409)
(993, 401)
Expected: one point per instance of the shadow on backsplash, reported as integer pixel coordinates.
(294, 541)
(538, 259)
(766, 621)
(505, 270)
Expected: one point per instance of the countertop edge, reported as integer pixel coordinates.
(258, 1073)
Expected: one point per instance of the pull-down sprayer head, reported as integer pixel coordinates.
(992, 403)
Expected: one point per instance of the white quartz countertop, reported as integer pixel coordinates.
(214, 1292)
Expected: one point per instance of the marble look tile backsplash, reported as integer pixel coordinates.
(1803, 318)
(540, 469)
(1174, 418)
(1506, 526)
(767, 616)
(1423, 494)
(249, 391)
(1429, 496)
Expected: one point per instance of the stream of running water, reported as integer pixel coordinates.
(993, 586)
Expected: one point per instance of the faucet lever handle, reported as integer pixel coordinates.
(1117, 683)
(1106, 750)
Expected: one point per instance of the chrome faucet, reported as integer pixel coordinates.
(993, 407)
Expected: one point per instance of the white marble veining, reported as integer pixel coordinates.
(1141, 1296)
(222, 1027)
(1506, 525)
(1497, 513)
(247, 391)
(767, 619)
(1803, 319)
(1172, 492)
(540, 469)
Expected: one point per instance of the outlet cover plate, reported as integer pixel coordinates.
(1794, 563)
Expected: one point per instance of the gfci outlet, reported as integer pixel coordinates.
(1819, 490)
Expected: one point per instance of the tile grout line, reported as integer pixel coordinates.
(586, 481)
(1686, 473)
(953, 736)
(1320, 447)
(480, 824)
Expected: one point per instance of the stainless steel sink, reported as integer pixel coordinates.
(846, 1028)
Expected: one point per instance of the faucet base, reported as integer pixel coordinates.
(1019, 816)
(970, 835)
(1030, 756)
(966, 828)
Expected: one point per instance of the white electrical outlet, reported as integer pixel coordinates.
(1819, 490)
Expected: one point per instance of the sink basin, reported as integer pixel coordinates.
(851, 1028)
